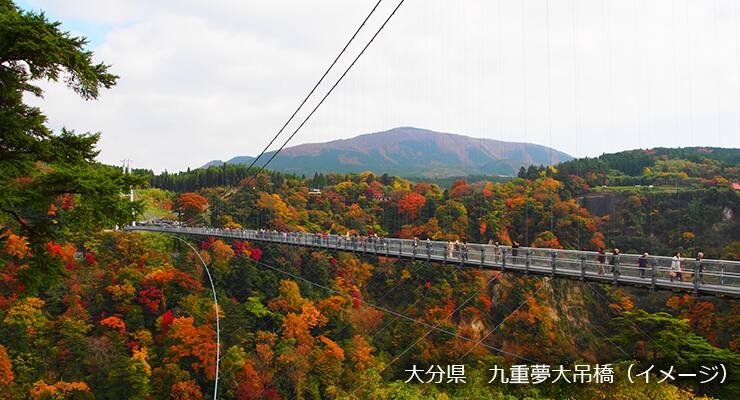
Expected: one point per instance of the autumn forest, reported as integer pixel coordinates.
(91, 311)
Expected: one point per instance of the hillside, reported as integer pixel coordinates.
(408, 151)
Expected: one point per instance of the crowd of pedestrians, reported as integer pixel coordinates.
(606, 261)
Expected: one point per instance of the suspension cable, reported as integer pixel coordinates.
(524, 120)
(509, 315)
(215, 302)
(326, 72)
(549, 114)
(331, 89)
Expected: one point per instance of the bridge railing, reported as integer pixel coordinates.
(586, 264)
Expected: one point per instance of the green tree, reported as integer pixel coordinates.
(50, 183)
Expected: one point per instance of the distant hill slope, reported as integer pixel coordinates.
(410, 151)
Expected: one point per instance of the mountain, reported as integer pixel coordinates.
(408, 151)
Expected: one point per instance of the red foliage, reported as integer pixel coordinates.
(166, 321)
(90, 258)
(271, 394)
(255, 254)
(458, 188)
(150, 299)
(239, 247)
(486, 301)
(374, 190)
(411, 204)
(208, 243)
(67, 201)
(54, 249)
(355, 298)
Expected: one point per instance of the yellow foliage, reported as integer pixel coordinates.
(57, 390)
(141, 356)
(122, 293)
(17, 246)
(28, 314)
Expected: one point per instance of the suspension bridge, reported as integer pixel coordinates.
(699, 277)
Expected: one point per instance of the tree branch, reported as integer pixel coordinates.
(18, 218)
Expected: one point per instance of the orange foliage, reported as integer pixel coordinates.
(328, 362)
(186, 390)
(58, 390)
(332, 306)
(6, 367)
(458, 188)
(411, 204)
(701, 314)
(263, 348)
(298, 326)
(114, 323)
(289, 300)
(188, 340)
(546, 239)
(192, 202)
(360, 353)
(623, 301)
(222, 251)
(250, 384)
(17, 246)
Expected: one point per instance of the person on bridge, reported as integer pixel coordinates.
(699, 268)
(496, 252)
(642, 264)
(515, 252)
(614, 261)
(676, 267)
(450, 246)
(464, 249)
(601, 259)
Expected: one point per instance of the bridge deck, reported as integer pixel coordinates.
(717, 277)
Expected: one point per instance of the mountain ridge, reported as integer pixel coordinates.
(409, 151)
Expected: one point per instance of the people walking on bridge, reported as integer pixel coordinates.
(496, 252)
(464, 250)
(676, 272)
(457, 249)
(601, 259)
(515, 252)
(699, 268)
(450, 247)
(614, 261)
(642, 264)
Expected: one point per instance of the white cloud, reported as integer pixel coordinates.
(201, 80)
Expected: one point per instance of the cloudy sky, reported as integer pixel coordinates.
(212, 80)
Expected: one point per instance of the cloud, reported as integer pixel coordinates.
(201, 81)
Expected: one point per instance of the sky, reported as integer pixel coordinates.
(212, 80)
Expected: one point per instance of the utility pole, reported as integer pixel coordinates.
(126, 165)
